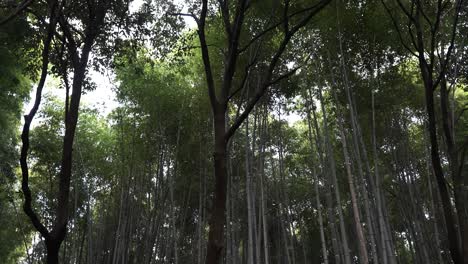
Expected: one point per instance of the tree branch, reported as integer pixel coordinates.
(274, 26)
(233, 53)
(443, 66)
(206, 56)
(397, 28)
(70, 41)
(186, 15)
(17, 11)
(267, 81)
(224, 6)
(288, 74)
(27, 206)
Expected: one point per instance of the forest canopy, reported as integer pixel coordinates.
(236, 132)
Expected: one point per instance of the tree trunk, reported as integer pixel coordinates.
(356, 214)
(332, 164)
(248, 190)
(452, 232)
(263, 202)
(200, 216)
(356, 136)
(256, 163)
(331, 211)
(316, 186)
(460, 187)
(388, 255)
(320, 219)
(53, 247)
(264, 218)
(216, 233)
(171, 194)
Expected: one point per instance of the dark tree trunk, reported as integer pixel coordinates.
(456, 168)
(452, 232)
(53, 248)
(55, 237)
(220, 101)
(216, 233)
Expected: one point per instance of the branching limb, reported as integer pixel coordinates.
(17, 11)
(205, 56)
(267, 81)
(444, 63)
(276, 25)
(420, 7)
(224, 8)
(27, 206)
(244, 79)
(233, 53)
(397, 28)
(186, 15)
(70, 41)
(287, 75)
(434, 30)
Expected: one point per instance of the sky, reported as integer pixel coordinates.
(102, 98)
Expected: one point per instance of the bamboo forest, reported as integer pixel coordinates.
(234, 131)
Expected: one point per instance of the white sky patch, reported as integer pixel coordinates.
(293, 117)
(189, 21)
(50, 88)
(290, 65)
(135, 5)
(103, 97)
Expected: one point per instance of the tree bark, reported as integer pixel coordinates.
(316, 186)
(428, 58)
(263, 202)
(332, 164)
(456, 168)
(356, 214)
(55, 237)
(248, 190)
(216, 233)
(387, 249)
(452, 232)
(52, 247)
(331, 208)
(220, 101)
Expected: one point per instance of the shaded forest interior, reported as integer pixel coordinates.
(240, 132)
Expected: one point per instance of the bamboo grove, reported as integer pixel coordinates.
(242, 132)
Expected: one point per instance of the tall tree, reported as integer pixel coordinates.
(234, 17)
(78, 43)
(430, 38)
